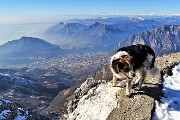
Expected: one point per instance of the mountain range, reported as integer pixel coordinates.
(164, 39)
(88, 35)
(97, 34)
(75, 35)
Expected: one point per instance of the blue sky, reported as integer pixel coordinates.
(79, 7)
(23, 10)
(50, 7)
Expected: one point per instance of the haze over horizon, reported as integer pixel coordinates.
(21, 18)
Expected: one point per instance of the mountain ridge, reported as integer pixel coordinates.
(96, 33)
(163, 40)
(28, 46)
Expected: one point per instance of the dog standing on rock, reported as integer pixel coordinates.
(128, 61)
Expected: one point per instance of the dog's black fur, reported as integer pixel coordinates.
(139, 53)
(130, 60)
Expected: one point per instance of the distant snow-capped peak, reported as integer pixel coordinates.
(138, 18)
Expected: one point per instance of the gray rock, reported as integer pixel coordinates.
(83, 90)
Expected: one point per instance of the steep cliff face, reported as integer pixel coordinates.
(164, 39)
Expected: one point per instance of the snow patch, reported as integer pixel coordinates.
(10, 111)
(20, 116)
(169, 107)
(3, 114)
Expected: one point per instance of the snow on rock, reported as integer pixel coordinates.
(100, 102)
(3, 114)
(169, 107)
(21, 114)
(9, 111)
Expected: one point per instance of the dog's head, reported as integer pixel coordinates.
(122, 64)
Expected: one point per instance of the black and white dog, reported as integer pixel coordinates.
(131, 60)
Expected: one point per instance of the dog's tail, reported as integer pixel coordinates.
(155, 72)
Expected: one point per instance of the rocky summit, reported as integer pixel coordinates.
(98, 100)
(103, 101)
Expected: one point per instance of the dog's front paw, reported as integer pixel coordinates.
(114, 84)
(127, 94)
